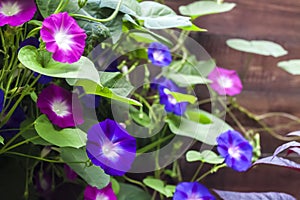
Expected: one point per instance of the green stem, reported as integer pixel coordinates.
(135, 182)
(62, 4)
(197, 172)
(154, 144)
(34, 157)
(19, 144)
(115, 13)
(212, 170)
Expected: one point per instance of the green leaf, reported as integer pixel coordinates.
(115, 185)
(291, 66)
(41, 62)
(68, 137)
(92, 88)
(116, 82)
(130, 7)
(159, 186)
(147, 36)
(93, 175)
(139, 117)
(206, 156)
(30, 133)
(193, 27)
(183, 80)
(159, 16)
(201, 8)
(130, 192)
(261, 47)
(179, 97)
(198, 117)
(1, 140)
(206, 133)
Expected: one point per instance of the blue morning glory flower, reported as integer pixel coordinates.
(236, 150)
(1, 100)
(192, 191)
(159, 54)
(171, 105)
(111, 147)
(14, 122)
(43, 79)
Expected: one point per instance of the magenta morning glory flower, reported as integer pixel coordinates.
(93, 193)
(1, 100)
(192, 191)
(61, 106)
(70, 173)
(225, 82)
(16, 12)
(159, 54)
(111, 147)
(63, 37)
(236, 150)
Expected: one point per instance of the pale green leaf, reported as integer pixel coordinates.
(68, 137)
(206, 156)
(201, 8)
(92, 88)
(179, 97)
(41, 62)
(159, 186)
(261, 47)
(77, 159)
(131, 192)
(291, 66)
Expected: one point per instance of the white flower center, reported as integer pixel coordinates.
(158, 56)
(234, 152)
(60, 108)
(10, 9)
(63, 40)
(102, 197)
(225, 82)
(110, 151)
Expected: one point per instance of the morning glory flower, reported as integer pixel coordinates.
(159, 54)
(192, 191)
(63, 37)
(225, 82)
(111, 147)
(236, 150)
(16, 12)
(13, 124)
(61, 106)
(171, 104)
(1, 100)
(93, 193)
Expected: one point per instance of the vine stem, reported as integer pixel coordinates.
(154, 144)
(34, 157)
(135, 182)
(212, 170)
(261, 123)
(115, 13)
(197, 172)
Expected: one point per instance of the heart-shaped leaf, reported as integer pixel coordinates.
(261, 47)
(205, 156)
(291, 66)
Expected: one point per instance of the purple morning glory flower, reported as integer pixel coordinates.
(14, 122)
(159, 54)
(93, 193)
(16, 12)
(236, 150)
(171, 105)
(70, 174)
(61, 106)
(225, 82)
(111, 147)
(63, 37)
(1, 100)
(43, 79)
(192, 191)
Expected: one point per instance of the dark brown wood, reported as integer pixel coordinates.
(267, 88)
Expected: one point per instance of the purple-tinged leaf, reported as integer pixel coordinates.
(286, 146)
(295, 133)
(229, 195)
(275, 160)
(294, 150)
